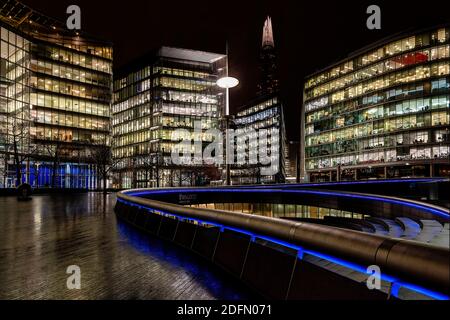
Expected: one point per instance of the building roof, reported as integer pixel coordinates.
(375, 45)
(257, 100)
(267, 37)
(191, 55)
(166, 52)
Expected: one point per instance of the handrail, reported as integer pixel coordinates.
(407, 261)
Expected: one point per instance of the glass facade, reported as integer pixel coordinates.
(265, 113)
(280, 210)
(173, 89)
(383, 113)
(55, 95)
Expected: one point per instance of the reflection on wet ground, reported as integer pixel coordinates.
(40, 238)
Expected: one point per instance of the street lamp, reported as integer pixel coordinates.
(227, 83)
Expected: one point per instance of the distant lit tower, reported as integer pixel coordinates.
(269, 80)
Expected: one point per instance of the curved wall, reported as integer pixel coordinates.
(278, 258)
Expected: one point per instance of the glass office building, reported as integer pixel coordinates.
(170, 89)
(264, 113)
(381, 113)
(55, 94)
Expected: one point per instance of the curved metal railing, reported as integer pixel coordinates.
(405, 262)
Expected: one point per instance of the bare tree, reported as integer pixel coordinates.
(22, 150)
(4, 157)
(54, 151)
(100, 153)
(207, 172)
(192, 175)
(150, 165)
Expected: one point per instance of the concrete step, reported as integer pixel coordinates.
(442, 239)
(430, 229)
(411, 229)
(392, 227)
(379, 229)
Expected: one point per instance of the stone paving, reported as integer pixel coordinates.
(40, 238)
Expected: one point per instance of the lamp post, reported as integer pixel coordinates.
(297, 159)
(227, 83)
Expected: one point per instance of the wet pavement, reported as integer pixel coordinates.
(40, 238)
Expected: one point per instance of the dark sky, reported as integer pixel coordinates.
(308, 35)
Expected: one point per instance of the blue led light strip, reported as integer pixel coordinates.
(396, 284)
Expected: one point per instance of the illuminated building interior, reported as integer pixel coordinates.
(172, 89)
(382, 112)
(265, 113)
(55, 93)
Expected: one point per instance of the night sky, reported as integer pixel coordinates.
(308, 35)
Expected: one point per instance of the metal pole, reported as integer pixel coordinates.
(227, 92)
(297, 164)
(227, 113)
(227, 163)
